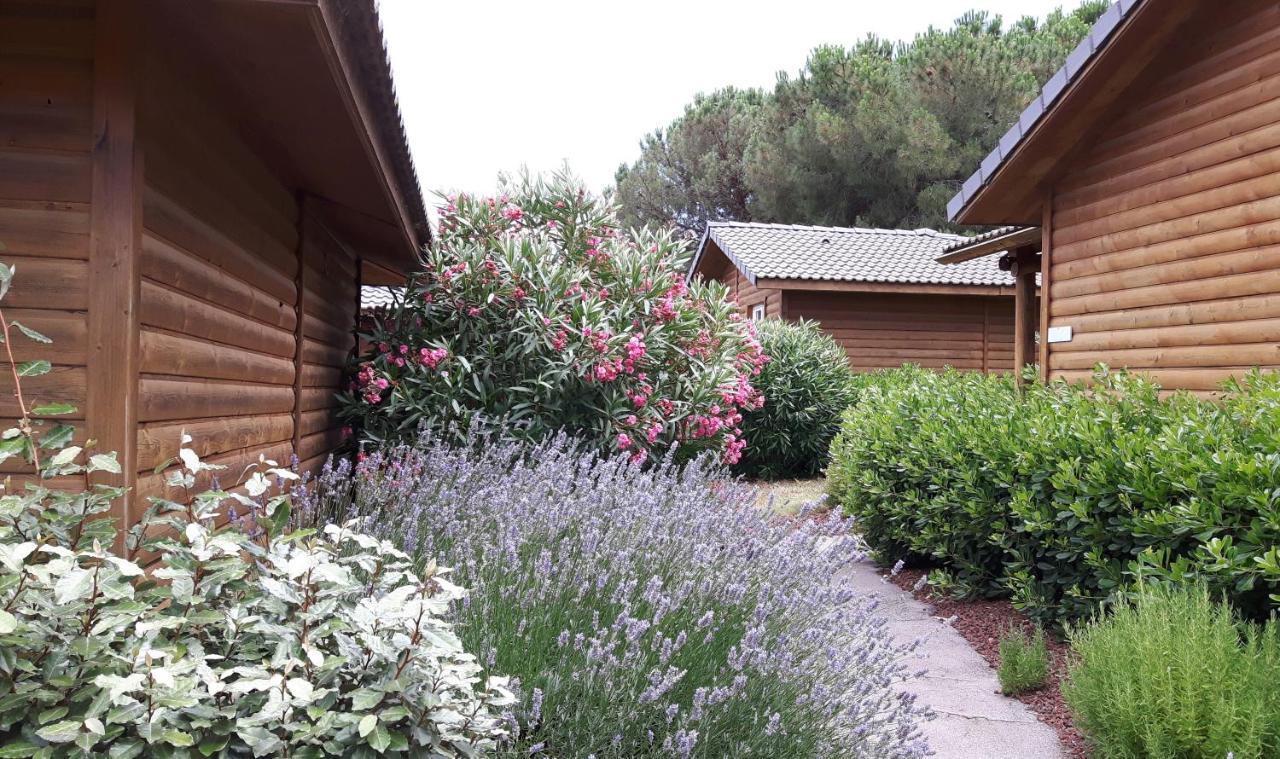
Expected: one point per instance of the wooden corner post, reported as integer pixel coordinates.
(1026, 318)
(115, 238)
(1046, 281)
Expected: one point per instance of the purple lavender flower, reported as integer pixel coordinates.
(624, 599)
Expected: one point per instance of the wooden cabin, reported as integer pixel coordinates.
(192, 194)
(878, 292)
(1145, 182)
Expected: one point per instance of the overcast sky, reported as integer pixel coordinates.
(491, 85)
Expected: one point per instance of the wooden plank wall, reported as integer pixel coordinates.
(886, 330)
(46, 112)
(330, 297)
(1166, 241)
(226, 352)
(219, 257)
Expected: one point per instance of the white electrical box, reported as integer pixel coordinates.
(1060, 334)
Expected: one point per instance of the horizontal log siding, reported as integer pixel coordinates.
(46, 111)
(1166, 238)
(219, 256)
(329, 309)
(882, 331)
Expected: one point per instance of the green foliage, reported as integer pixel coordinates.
(807, 384)
(1060, 496)
(1024, 661)
(692, 172)
(537, 309)
(1174, 676)
(234, 641)
(877, 134)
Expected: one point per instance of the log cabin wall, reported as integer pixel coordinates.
(46, 135)
(883, 330)
(330, 308)
(1165, 244)
(218, 298)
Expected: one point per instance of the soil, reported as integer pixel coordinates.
(981, 623)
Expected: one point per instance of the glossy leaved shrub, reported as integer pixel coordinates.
(644, 612)
(1060, 495)
(537, 308)
(808, 384)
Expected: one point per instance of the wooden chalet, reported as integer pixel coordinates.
(1144, 183)
(878, 292)
(192, 194)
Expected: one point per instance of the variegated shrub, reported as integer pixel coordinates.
(208, 632)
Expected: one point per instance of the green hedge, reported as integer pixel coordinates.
(806, 385)
(1059, 495)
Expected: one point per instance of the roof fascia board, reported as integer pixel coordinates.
(906, 288)
(324, 27)
(983, 248)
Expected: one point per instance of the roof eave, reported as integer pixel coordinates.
(1009, 185)
(985, 247)
(388, 154)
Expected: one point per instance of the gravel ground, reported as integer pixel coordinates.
(789, 495)
(980, 623)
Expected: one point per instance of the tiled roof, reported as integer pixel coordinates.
(850, 254)
(1077, 60)
(375, 296)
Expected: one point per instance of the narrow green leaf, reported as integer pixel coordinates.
(53, 409)
(31, 333)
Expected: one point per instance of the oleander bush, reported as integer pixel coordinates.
(1059, 495)
(808, 384)
(1175, 675)
(536, 307)
(644, 612)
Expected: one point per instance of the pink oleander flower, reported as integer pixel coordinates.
(512, 213)
(473, 311)
(560, 340)
(518, 294)
(631, 420)
(624, 441)
(431, 357)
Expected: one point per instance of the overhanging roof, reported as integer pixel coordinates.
(987, 243)
(309, 83)
(1007, 187)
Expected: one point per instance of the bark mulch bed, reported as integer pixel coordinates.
(981, 623)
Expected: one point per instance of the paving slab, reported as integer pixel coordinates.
(973, 721)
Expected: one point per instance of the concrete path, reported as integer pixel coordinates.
(973, 720)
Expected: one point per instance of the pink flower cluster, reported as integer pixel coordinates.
(431, 357)
(370, 383)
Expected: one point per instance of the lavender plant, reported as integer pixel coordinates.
(643, 613)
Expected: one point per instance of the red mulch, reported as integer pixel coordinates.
(981, 623)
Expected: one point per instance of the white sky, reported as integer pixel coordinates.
(490, 85)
